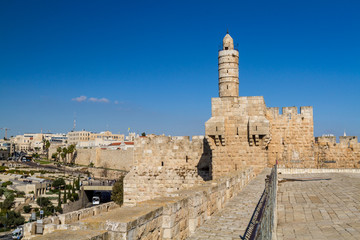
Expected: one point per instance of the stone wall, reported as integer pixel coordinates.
(292, 137)
(172, 152)
(106, 158)
(228, 134)
(142, 184)
(164, 165)
(62, 221)
(345, 154)
(175, 217)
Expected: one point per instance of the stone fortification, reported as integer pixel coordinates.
(173, 217)
(106, 158)
(172, 152)
(238, 133)
(330, 154)
(292, 137)
(242, 131)
(164, 165)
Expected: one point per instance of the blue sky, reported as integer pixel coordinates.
(152, 65)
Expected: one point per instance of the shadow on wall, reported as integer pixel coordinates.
(205, 162)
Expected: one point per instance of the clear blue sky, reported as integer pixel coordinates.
(152, 65)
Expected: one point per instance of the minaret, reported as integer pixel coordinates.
(228, 69)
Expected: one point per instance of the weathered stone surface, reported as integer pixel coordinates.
(319, 209)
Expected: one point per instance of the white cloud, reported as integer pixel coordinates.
(80, 99)
(116, 102)
(100, 100)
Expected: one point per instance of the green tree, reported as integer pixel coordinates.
(8, 203)
(59, 199)
(12, 219)
(117, 194)
(64, 153)
(65, 198)
(73, 187)
(27, 208)
(143, 134)
(71, 150)
(5, 184)
(46, 147)
(78, 183)
(43, 202)
(59, 151)
(59, 182)
(54, 156)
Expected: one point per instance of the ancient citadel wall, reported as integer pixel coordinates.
(113, 159)
(292, 137)
(228, 134)
(175, 217)
(164, 165)
(330, 154)
(172, 152)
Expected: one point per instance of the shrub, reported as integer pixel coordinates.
(58, 183)
(12, 219)
(27, 209)
(7, 183)
(117, 194)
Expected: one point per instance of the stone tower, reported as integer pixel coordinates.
(228, 69)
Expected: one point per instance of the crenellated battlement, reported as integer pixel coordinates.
(343, 140)
(305, 111)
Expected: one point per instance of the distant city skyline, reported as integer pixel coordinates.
(152, 67)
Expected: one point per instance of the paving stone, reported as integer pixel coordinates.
(327, 209)
(232, 221)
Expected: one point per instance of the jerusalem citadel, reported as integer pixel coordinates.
(176, 186)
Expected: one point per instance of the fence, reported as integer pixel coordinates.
(263, 222)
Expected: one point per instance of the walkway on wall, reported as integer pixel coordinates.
(232, 221)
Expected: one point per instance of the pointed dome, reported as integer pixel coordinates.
(228, 42)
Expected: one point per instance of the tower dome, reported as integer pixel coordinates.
(228, 42)
(228, 69)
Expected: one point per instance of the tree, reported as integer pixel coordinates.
(65, 199)
(43, 202)
(27, 208)
(54, 156)
(45, 205)
(71, 150)
(143, 134)
(78, 183)
(12, 219)
(59, 182)
(35, 155)
(59, 150)
(73, 187)
(8, 203)
(117, 194)
(64, 152)
(59, 199)
(46, 147)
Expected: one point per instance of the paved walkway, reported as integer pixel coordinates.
(321, 209)
(232, 221)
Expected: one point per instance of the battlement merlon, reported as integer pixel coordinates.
(305, 111)
(343, 140)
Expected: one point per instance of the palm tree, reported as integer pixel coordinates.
(63, 156)
(71, 150)
(59, 150)
(47, 146)
(65, 152)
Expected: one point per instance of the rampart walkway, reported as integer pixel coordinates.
(319, 209)
(231, 222)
